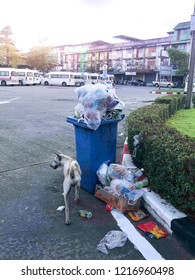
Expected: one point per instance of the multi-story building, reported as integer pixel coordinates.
(142, 59)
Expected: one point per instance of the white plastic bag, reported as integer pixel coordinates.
(79, 110)
(117, 186)
(112, 239)
(95, 98)
(102, 174)
(133, 196)
(82, 91)
(92, 118)
(136, 140)
(117, 171)
(121, 105)
(60, 208)
(94, 103)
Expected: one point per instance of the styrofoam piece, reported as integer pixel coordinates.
(163, 211)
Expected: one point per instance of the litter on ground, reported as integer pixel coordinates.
(137, 215)
(152, 230)
(113, 239)
(60, 208)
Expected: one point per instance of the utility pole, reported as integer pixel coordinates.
(191, 64)
(160, 69)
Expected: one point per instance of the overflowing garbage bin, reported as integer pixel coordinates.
(93, 147)
(95, 120)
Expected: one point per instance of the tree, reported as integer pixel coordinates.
(181, 59)
(9, 55)
(5, 34)
(41, 58)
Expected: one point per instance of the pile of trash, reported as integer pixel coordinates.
(97, 102)
(123, 181)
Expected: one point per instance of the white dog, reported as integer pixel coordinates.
(72, 178)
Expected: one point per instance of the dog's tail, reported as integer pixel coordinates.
(72, 175)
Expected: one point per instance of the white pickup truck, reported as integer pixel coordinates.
(163, 83)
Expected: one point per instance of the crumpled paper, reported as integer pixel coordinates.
(112, 239)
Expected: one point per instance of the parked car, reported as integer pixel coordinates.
(163, 83)
(179, 84)
(137, 82)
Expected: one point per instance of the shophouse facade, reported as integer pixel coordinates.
(133, 58)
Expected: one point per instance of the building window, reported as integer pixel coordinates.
(181, 47)
(184, 31)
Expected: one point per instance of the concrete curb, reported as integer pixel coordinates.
(163, 211)
(174, 221)
(165, 92)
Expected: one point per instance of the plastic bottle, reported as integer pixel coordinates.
(138, 172)
(125, 193)
(132, 196)
(85, 214)
(141, 184)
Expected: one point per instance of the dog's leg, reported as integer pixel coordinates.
(77, 188)
(66, 188)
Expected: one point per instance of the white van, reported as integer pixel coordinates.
(186, 84)
(36, 77)
(109, 78)
(92, 78)
(63, 79)
(77, 78)
(8, 77)
(25, 76)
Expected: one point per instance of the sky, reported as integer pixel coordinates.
(62, 22)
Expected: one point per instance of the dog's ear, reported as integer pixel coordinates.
(58, 155)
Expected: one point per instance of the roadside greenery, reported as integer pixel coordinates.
(181, 59)
(9, 55)
(41, 57)
(184, 122)
(167, 156)
(178, 90)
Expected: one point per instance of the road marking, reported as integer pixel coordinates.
(145, 248)
(9, 100)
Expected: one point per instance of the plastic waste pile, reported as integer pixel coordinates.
(97, 102)
(123, 181)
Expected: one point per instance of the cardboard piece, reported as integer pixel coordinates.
(116, 201)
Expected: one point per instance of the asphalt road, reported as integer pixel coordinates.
(32, 127)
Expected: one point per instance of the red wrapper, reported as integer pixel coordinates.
(108, 207)
(153, 229)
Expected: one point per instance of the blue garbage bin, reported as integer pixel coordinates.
(93, 147)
